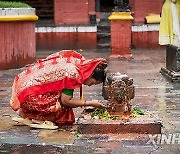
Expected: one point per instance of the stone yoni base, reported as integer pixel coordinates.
(142, 124)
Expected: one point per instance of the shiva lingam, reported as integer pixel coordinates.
(118, 90)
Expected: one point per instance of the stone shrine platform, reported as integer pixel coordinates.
(142, 124)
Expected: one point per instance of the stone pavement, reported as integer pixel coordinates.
(153, 93)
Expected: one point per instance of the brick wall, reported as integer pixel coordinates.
(16, 49)
(66, 37)
(121, 37)
(44, 8)
(145, 36)
(142, 8)
(91, 6)
(71, 12)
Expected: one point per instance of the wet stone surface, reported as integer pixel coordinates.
(153, 93)
(31, 149)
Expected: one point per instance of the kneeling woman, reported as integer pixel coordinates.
(44, 91)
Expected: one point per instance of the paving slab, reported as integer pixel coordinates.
(142, 124)
(153, 92)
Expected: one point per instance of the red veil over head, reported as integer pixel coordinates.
(64, 69)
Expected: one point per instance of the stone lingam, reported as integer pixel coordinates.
(118, 90)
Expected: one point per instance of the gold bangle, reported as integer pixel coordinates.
(84, 103)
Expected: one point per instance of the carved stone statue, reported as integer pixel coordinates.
(118, 90)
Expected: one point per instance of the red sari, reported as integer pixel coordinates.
(36, 90)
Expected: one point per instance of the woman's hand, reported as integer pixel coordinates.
(95, 103)
(68, 101)
(55, 107)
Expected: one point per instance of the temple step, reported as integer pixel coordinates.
(103, 32)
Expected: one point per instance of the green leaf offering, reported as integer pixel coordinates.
(102, 114)
(138, 111)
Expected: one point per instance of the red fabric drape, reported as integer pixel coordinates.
(64, 69)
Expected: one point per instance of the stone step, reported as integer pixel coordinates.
(103, 38)
(103, 28)
(105, 15)
(103, 41)
(103, 45)
(103, 34)
(104, 22)
(45, 23)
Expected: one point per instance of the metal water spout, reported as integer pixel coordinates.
(118, 90)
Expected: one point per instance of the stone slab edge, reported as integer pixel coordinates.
(16, 11)
(146, 125)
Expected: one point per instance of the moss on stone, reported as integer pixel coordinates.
(6, 4)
